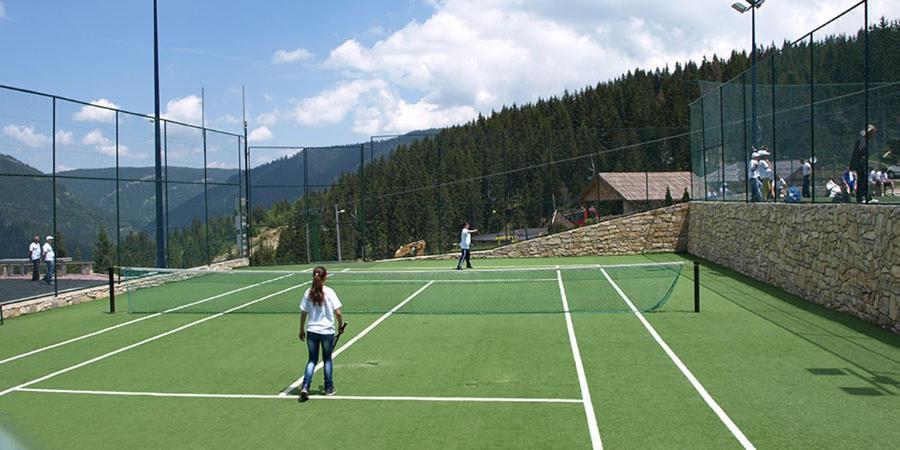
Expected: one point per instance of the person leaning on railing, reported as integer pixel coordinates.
(858, 160)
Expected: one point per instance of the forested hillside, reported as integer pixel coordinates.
(514, 167)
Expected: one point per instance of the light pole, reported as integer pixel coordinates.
(742, 8)
(337, 229)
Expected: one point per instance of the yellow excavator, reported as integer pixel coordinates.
(412, 249)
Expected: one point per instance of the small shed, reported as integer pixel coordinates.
(636, 191)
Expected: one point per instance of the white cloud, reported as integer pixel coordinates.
(2, 11)
(106, 146)
(260, 134)
(187, 110)
(26, 136)
(230, 119)
(63, 137)
(475, 56)
(219, 165)
(269, 119)
(93, 114)
(287, 56)
(332, 105)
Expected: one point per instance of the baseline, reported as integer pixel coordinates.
(294, 397)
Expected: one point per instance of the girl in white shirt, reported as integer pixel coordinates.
(321, 306)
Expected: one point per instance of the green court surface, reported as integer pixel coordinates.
(495, 357)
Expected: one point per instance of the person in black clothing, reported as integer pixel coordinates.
(858, 160)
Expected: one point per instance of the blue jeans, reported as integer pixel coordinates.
(51, 267)
(464, 256)
(756, 187)
(313, 341)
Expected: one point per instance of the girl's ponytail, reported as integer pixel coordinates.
(317, 293)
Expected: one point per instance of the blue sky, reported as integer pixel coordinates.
(323, 73)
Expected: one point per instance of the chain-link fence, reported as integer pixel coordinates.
(827, 121)
(406, 195)
(85, 174)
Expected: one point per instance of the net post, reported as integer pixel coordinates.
(696, 287)
(1, 313)
(112, 289)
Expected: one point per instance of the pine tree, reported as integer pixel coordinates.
(668, 200)
(104, 252)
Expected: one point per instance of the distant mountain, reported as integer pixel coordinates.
(282, 179)
(26, 210)
(138, 191)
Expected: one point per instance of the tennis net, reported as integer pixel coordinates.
(486, 291)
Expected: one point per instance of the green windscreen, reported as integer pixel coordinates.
(491, 291)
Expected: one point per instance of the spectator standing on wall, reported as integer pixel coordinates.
(34, 253)
(806, 167)
(49, 258)
(753, 174)
(885, 181)
(858, 160)
(765, 174)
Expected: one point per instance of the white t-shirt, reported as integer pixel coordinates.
(764, 171)
(753, 169)
(873, 177)
(35, 250)
(465, 239)
(882, 176)
(321, 317)
(48, 252)
(807, 169)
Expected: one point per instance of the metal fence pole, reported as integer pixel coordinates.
(55, 230)
(722, 138)
(361, 216)
(774, 141)
(746, 162)
(306, 201)
(812, 118)
(863, 178)
(118, 191)
(166, 183)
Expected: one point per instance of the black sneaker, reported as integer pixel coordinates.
(458, 268)
(304, 393)
(329, 391)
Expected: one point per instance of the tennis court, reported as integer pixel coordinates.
(573, 352)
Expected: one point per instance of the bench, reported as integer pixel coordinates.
(20, 267)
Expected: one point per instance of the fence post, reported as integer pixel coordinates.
(112, 289)
(696, 287)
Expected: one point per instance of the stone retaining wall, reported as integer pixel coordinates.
(844, 256)
(89, 294)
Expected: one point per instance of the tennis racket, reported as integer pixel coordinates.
(340, 332)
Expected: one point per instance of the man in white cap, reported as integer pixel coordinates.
(34, 253)
(49, 258)
(753, 176)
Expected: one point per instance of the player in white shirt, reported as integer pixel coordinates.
(753, 175)
(807, 176)
(322, 307)
(465, 241)
(34, 253)
(50, 258)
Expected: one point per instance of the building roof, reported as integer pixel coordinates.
(636, 186)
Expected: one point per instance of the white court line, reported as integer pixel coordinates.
(593, 429)
(284, 392)
(684, 370)
(294, 397)
(150, 339)
(131, 322)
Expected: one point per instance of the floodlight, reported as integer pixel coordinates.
(739, 7)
